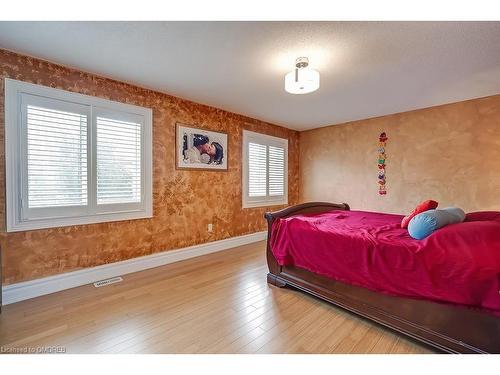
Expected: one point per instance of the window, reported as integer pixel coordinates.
(74, 159)
(265, 170)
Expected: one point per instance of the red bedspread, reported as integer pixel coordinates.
(459, 263)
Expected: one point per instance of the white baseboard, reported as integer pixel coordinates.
(39, 287)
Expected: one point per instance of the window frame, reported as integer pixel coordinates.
(16, 165)
(268, 140)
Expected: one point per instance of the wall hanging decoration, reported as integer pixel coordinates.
(381, 163)
(198, 148)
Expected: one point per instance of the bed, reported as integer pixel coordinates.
(443, 291)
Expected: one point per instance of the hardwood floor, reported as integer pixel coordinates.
(217, 303)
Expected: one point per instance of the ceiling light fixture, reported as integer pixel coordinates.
(302, 80)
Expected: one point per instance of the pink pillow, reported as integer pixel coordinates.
(483, 216)
(424, 206)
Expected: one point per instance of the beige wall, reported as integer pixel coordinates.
(184, 202)
(449, 153)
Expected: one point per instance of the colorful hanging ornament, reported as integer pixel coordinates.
(381, 163)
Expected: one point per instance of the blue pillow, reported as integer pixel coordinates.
(423, 224)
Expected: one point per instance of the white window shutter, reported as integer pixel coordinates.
(276, 171)
(257, 170)
(118, 161)
(56, 151)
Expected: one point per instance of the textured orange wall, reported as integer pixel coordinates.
(449, 153)
(184, 202)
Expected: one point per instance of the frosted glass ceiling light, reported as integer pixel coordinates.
(302, 80)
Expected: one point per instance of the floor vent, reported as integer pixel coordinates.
(108, 281)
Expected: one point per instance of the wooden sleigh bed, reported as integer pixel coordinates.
(449, 328)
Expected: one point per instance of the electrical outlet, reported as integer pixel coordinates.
(210, 227)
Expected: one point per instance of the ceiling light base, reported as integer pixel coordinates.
(301, 62)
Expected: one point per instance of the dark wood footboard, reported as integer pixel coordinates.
(447, 327)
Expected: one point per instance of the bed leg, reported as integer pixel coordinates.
(275, 280)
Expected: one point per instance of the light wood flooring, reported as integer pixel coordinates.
(217, 303)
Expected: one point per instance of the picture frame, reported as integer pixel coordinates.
(197, 148)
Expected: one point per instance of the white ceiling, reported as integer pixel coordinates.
(367, 69)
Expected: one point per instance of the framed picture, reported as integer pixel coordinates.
(198, 148)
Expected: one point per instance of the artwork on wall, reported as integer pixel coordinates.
(382, 142)
(198, 148)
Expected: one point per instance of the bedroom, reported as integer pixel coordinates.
(325, 187)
